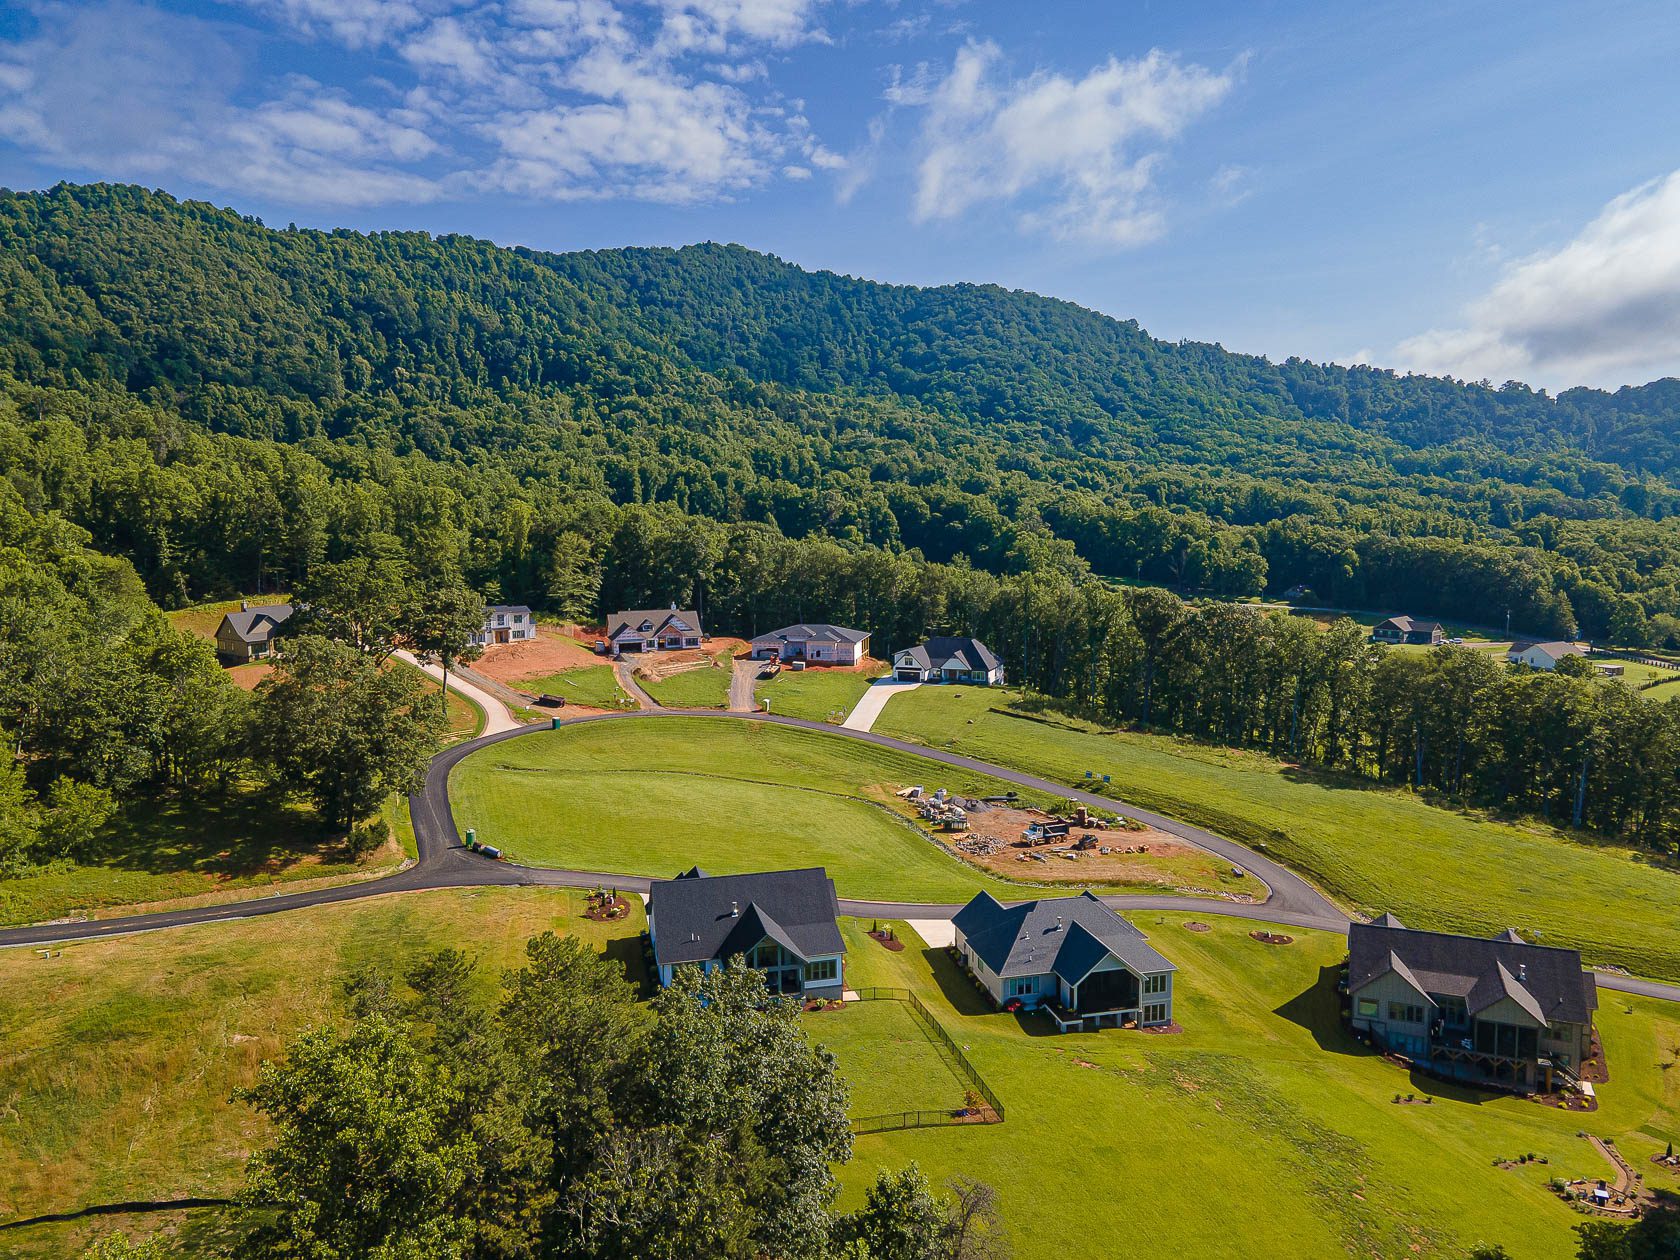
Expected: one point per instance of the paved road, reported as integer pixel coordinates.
(870, 703)
(496, 715)
(444, 863)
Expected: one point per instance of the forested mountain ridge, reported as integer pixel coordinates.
(961, 422)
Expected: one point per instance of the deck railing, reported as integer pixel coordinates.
(990, 1113)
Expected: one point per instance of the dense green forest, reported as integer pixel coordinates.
(195, 405)
(1001, 429)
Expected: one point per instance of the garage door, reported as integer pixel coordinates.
(907, 675)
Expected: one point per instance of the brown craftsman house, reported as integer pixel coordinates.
(1493, 1010)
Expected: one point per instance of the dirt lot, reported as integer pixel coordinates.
(549, 653)
(1133, 857)
(658, 665)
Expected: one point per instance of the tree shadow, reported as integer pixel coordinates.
(237, 833)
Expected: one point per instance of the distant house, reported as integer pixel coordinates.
(1071, 957)
(1299, 594)
(1543, 655)
(506, 623)
(832, 645)
(781, 922)
(252, 633)
(948, 659)
(652, 629)
(1494, 1010)
(1408, 630)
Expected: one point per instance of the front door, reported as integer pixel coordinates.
(501, 636)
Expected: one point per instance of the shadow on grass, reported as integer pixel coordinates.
(244, 832)
(630, 953)
(1318, 1010)
(958, 988)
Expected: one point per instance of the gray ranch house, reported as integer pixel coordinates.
(1071, 957)
(782, 922)
(506, 623)
(1492, 1010)
(1397, 630)
(653, 629)
(949, 659)
(826, 644)
(252, 633)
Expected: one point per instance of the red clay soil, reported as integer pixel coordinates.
(549, 653)
(890, 942)
(247, 676)
(1272, 938)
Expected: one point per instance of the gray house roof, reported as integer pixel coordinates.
(257, 622)
(811, 632)
(969, 653)
(656, 619)
(1407, 625)
(507, 608)
(1547, 982)
(698, 917)
(1065, 935)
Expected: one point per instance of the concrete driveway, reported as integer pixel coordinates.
(870, 704)
(496, 716)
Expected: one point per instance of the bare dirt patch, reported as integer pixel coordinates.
(718, 652)
(549, 653)
(1131, 857)
(247, 676)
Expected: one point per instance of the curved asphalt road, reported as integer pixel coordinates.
(444, 863)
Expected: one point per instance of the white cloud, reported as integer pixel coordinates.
(1078, 157)
(1602, 310)
(132, 93)
(667, 100)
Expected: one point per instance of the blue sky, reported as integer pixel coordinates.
(1488, 190)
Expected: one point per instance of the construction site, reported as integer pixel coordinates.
(1008, 838)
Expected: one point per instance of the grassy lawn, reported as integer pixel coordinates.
(164, 850)
(703, 688)
(887, 1058)
(816, 694)
(1261, 1130)
(117, 1057)
(465, 720)
(593, 685)
(653, 797)
(1373, 848)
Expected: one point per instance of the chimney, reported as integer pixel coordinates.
(244, 605)
(734, 909)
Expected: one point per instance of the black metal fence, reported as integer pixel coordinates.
(991, 1110)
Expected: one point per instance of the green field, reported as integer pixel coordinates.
(117, 1057)
(1262, 1129)
(704, 688)
(647, 796)
(595, 686)
(1372, 848)
(889, 1061)
(816, 694)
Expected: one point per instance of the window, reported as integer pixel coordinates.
(1405, 1013)
(1155, 1013)
(823, 970)
(1368, 1008)
(1021, 986)
(1155, 984)
(518, 618)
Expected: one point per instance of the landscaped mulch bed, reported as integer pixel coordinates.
(1163, 1030)
(1197, 927)
(812, 1005)
(1272, 938)
(883, 937)
(605, 909)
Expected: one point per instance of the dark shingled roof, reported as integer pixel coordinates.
(257, 623)
(1547, 982)
(972, 653)
(1406, 625)
(1065, 935)
(697, 917)
(656, 618)
(807, 632)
